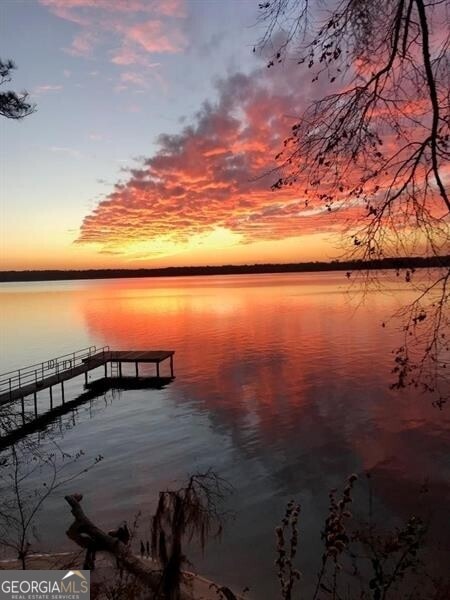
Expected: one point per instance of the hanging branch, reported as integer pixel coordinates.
(377, 146)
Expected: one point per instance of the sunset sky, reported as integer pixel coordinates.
(155, 129)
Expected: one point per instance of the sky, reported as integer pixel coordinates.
(153, 141)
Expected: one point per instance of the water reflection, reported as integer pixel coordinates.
(281, 386)
(15, 425)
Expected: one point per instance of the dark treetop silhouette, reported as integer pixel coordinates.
(12, 105)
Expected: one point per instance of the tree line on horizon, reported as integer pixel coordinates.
(396, 263)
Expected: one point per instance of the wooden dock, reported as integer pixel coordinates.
(18, 384)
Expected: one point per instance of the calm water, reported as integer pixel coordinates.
(282, 387)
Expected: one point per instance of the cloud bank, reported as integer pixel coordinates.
(215, 175)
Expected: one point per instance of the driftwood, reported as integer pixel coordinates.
(87, 535)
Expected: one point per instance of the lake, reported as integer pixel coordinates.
(282, 387)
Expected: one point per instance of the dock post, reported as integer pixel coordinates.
(171, 366)
(51, 397)
(157, 370)
(86, 378)
(22, 402)
(106, 369)
(137, 369)
(62, 391)
(35, 404)
(120, 369)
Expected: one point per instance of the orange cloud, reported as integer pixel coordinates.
(214, 176)
(213, 179)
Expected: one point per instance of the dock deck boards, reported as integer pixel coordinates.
(144, 356)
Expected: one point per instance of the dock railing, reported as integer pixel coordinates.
(13, 380)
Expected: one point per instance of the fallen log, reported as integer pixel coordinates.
(87, 535)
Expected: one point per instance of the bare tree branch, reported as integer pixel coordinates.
(378, 146)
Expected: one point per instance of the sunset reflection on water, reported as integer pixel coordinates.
(282, 386)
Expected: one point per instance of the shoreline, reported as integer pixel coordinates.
(200, 587)
(414, 262)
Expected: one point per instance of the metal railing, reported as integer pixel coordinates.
(13, 380)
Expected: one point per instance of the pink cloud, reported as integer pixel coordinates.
(134, 78)
(172, 8)
(216, 173)
(125, 56)
(154, 37)
(141, 79)
(82, 44)
(69, 9)
(132, 29)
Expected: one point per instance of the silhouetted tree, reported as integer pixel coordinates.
(12, 105)
(29, 475)
(376, 144)
(183, 515)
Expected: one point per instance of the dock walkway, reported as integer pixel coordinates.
(16, 385)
